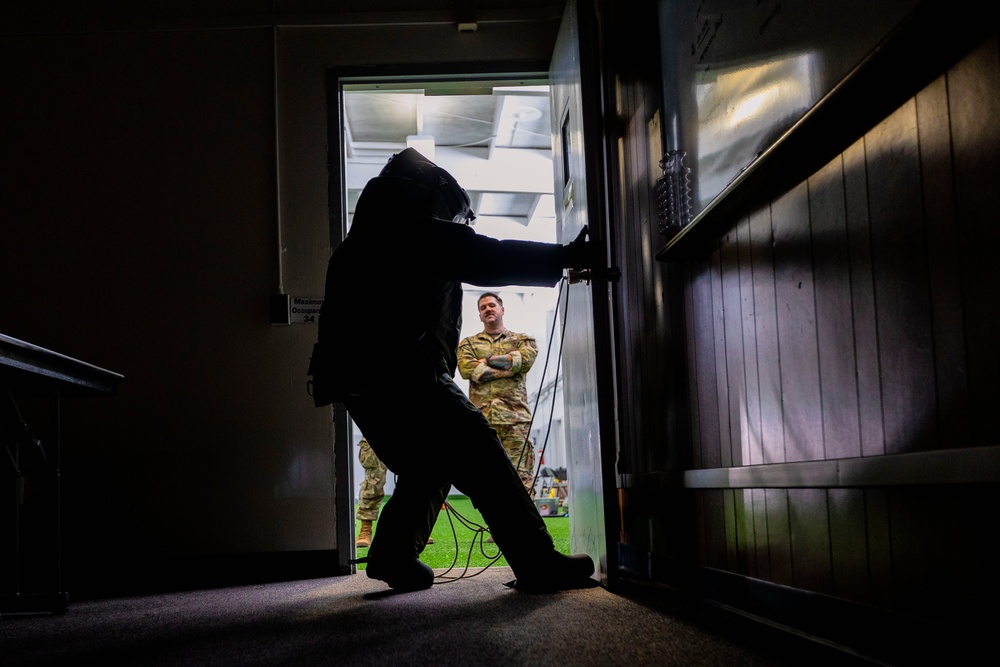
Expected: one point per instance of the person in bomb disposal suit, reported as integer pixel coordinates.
(400, 271)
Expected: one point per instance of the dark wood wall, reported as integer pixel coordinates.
(853, 316)
(830, 433)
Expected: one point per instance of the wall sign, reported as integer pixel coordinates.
(305, 310)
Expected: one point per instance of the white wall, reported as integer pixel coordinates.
(160, 181)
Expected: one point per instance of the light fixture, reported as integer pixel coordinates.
(525, 114)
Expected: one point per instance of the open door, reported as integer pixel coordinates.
(588, 390)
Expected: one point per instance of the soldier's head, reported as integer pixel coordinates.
(450, 201)
(491, 311)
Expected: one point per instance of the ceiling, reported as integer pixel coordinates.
(493, 136)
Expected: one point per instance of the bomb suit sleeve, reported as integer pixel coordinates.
(457, 252)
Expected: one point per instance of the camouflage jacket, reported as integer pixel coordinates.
(501, 395)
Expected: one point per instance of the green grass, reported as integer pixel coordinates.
(460, 538)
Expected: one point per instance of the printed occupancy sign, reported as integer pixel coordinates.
(305, 310)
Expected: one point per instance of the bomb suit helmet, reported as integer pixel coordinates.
(450, 201)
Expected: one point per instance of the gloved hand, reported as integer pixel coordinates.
(581, 253)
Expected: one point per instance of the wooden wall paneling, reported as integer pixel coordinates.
(650, 532)
(731, 517)
(753, 453)
(779, 536)
(670, 350)
(699, 504)
(919, 537)
(837, 374)
(640, 58)
(648, 371)
(722, 456)
(717, 529)
(662, 522)
(772, 437)
(943, 265)
(663, 370)
(732, 321)
(694, 370)
(808, 520)
(683, 536)
(899, 260)
(641, 451)
(796, 310)
(682, 409)
(629, 509)
(746, 533)
(652, 368)
(975, 131)
(863, 301)
(760, 531)
(972, 551)
(848, 544)
(638, 405)
(879, 547)
(708, 365)
(659, 529)
(637, 78)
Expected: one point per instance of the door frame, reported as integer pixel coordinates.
(336, 77)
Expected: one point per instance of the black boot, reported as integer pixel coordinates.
(401, 574)
(556, 572)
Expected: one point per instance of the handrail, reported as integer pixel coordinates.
(968, 465)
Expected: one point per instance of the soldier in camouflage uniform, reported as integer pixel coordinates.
(371, 493)
(495, 362)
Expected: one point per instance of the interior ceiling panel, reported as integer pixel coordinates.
(380, 118)
(374, 118)
(459, 120)
(508, 204)
(506, 120)
(523, 122)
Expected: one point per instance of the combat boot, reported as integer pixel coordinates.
(365, 535)
(556, 572)
(402, 574)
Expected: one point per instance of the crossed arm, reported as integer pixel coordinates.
(494, 367)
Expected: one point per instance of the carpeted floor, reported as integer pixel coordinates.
(353, 620)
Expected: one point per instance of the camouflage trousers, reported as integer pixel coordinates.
(372, 486)
(514, 438)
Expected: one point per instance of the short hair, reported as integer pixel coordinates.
(486, 294)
